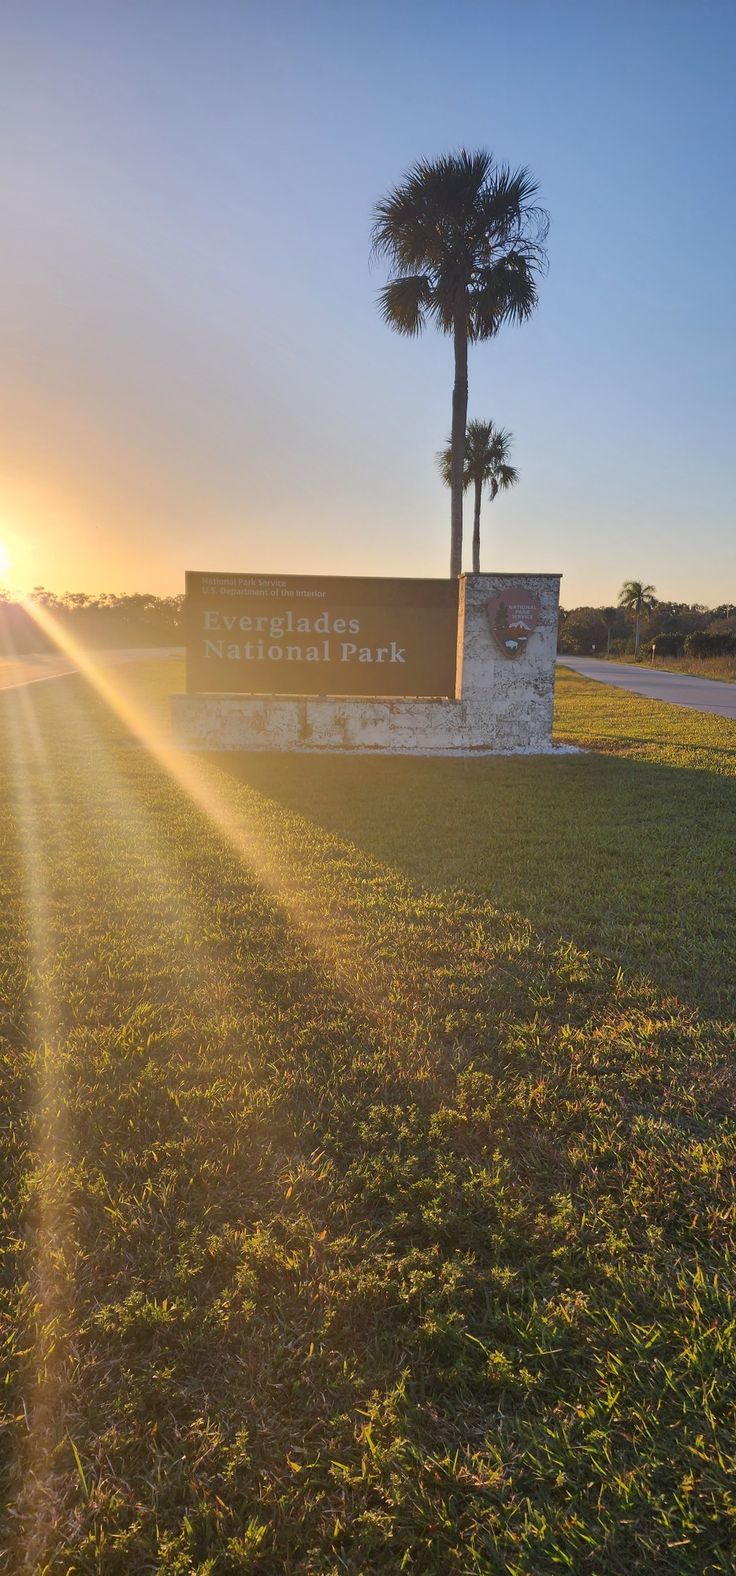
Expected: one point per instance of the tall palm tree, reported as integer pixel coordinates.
(636, 597)
(465, 241)
(486, 462)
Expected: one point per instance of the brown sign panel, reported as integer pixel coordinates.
(513, 616)
(320, 635)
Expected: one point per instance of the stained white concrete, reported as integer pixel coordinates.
(502, 705)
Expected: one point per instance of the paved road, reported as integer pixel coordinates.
(682, 689)
(16, 672)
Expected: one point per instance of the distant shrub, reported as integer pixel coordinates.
(669, 644)
(708, 643)
(582, 631)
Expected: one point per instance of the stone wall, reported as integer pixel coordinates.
(502, 704)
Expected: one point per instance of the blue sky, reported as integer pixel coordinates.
(194, 373)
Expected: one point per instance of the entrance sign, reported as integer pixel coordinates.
(361, 667)
(320, 635)
(513, 616)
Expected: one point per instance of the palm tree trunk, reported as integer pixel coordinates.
(476, 529)
(636, 634)
(459, 421)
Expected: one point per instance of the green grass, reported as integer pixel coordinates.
(368, 1172)
(699, 667)
(702, 667)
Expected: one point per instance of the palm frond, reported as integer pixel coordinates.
(405, 302)
(506, 292)
(505, 476)
(472, 232)
(417, 223)
(634, 593)
(480, 434)
(403, 230)
(507, 209)
(444, 462)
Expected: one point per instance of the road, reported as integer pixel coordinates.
(681, 689)
(38, 668)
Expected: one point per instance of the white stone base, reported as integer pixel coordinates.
(355, 726)
(505, 706)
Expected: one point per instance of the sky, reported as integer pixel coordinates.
(193, 370)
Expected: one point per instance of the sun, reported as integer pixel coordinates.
(4, 558)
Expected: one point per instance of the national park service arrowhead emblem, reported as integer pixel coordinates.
(513, 616)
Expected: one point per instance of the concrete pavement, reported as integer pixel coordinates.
(681, 689)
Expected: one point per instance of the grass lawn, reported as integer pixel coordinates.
(368, 1151)
(699, 667)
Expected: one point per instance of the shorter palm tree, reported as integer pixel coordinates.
(486, 463)
(636, 598)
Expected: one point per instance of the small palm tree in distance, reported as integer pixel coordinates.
(637, 597)
(486, 464)
(464, 238)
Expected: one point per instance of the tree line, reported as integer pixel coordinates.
(110, 619)
(630, 627)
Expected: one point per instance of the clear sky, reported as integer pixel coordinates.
(193, 371)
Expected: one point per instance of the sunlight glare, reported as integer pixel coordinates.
(367, 981)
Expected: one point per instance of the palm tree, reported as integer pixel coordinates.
(486, 461)
(636, 597)
(465, 241)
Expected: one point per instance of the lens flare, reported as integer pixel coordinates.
(250, 832)
(340, 937)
